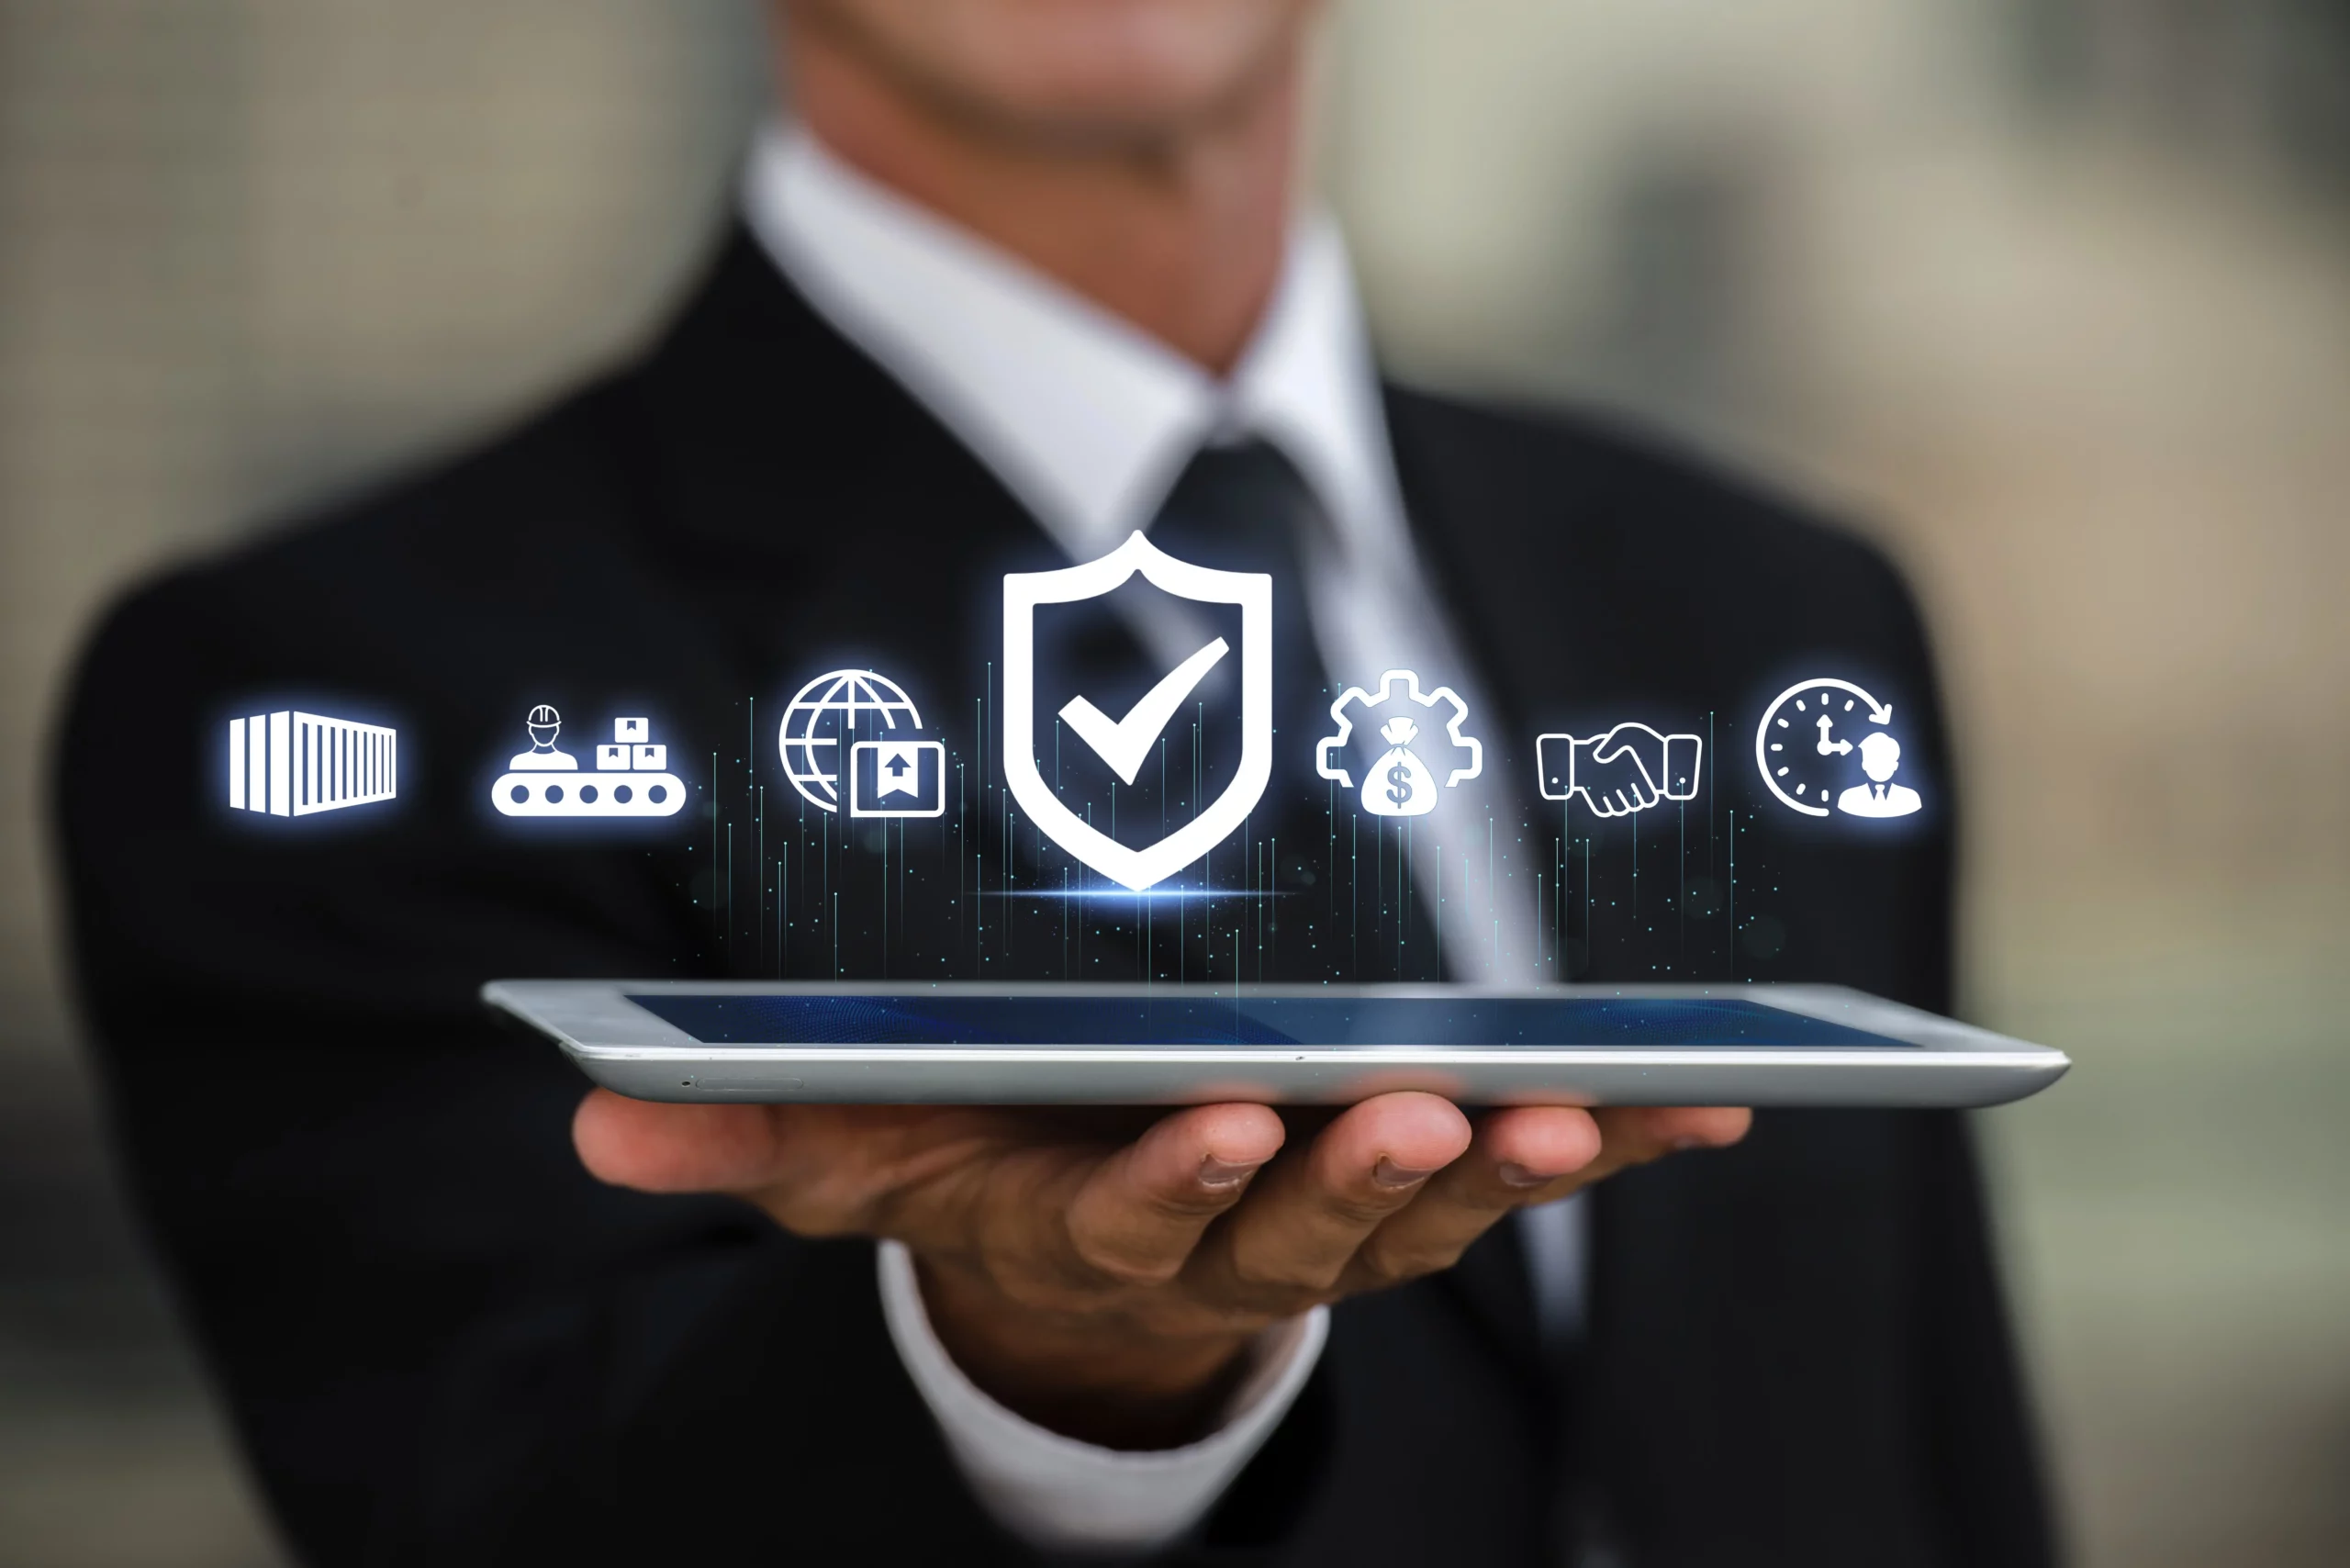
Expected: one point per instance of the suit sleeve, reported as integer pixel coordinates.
(1981, 1441)
(441, 1339)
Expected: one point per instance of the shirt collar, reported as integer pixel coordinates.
(1086, 419)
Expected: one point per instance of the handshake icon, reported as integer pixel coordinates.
(1628, 770)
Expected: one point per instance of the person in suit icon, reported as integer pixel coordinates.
(1880, 797)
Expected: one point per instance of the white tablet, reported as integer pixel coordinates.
(1731, 1045)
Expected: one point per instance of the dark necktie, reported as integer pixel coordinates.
(1245, 507)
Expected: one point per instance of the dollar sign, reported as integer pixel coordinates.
(1399, 783)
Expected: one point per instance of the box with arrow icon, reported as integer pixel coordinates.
(897, 779)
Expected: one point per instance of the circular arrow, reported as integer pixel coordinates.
(1879, 713)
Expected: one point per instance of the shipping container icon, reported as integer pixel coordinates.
(290, 764)
(630, 777)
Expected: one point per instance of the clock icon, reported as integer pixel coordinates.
(1805, 743)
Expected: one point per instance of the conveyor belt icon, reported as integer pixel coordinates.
(631, 777)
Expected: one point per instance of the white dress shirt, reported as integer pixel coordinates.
(1089, 420)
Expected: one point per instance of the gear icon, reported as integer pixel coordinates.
(1396, 686)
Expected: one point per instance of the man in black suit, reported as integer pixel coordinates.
(1027, 278)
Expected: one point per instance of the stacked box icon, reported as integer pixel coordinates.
(290, 764)
(628, 749)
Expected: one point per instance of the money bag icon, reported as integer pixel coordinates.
(1399, 784)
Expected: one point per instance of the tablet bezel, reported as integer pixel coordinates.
(628, 1050)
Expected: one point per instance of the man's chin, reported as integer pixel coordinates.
(1073, 72)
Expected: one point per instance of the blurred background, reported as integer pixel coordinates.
(2052, 295)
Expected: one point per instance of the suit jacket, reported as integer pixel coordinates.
(443, 1343)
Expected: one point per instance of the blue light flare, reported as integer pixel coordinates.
(1112, 892)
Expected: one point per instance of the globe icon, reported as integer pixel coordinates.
(831, 712)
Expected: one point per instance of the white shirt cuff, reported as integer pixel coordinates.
(1060, 1494)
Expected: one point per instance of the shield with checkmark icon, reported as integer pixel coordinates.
(1123, 743)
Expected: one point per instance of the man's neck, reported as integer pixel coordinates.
(1183, 236)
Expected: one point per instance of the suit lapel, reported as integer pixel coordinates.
(779, 466)
(1464, 521)
(775, 434)
(1491, 1284)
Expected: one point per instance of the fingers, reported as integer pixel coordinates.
(1529, 1154)
(818, 1169)
(1522, 1157)
(1383, 1193)
(674, 1149)
(1308, 1214)
(1058, 1196)
(1634, 1135)
(1141, 1211)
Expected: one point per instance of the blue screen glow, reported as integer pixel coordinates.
(1045, 1020)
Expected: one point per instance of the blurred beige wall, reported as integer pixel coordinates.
(252, 251)
(2045, 293)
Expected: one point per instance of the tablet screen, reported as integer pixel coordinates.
(1598, 1023)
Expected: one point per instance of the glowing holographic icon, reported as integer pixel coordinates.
(1880, 797)
(1627, 769)
(295, 765)
(630, 780)
(1398, 784)
(1803, 758)
(544, 725)
(838, 703)
(1123, 743)
(897, 778)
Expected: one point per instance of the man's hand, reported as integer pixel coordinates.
(1102, 1272)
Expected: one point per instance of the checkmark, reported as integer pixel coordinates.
(1124, 743)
